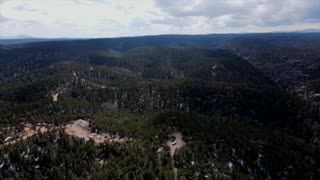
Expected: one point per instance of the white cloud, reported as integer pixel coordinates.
(109, 18)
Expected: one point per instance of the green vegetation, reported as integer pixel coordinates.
(235, 121)
(215, 147)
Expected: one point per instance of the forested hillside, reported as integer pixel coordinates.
(215, 92)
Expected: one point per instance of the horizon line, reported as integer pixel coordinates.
(305, 31)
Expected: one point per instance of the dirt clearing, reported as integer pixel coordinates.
(175, 143)
(80, 128)
(55, 97)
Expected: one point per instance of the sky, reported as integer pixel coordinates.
(117, 18)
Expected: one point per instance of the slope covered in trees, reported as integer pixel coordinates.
(236, 122)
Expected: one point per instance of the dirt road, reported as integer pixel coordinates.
(28, 131)
(79, 128)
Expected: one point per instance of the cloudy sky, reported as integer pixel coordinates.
(112, 18)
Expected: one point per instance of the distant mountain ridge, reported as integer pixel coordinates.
(308, 31)
(29, 39)
(26, 39)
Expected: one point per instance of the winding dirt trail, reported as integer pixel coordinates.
(28, 131)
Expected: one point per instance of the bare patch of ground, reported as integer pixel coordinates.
(176, 142)
(80, 128)
(55, 97)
